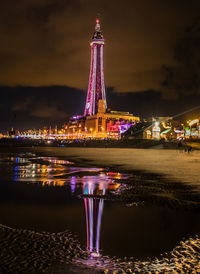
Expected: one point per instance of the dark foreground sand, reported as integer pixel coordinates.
(30, 252)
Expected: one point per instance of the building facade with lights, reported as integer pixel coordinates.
(98, 121)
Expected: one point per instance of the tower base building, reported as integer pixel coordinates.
(103, 124)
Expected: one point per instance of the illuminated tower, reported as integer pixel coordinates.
(96, 87)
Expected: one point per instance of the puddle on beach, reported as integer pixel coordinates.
(51, 194)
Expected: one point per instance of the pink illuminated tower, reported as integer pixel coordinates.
(96, 87)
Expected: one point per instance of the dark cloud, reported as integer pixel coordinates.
(43, 110)
(184, 78)
(39, 107)
(26, 107)
(24, 104)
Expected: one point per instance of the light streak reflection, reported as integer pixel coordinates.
(94, 209)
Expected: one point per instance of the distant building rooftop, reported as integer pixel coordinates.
(114, 112)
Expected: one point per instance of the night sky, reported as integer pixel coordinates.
(151, 58)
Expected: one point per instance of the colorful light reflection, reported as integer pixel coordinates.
(94, 185)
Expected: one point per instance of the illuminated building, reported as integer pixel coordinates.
(156, 131)
(98, 121)
(193, 129)
(156, 128)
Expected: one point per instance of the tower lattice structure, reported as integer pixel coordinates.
(96, 87)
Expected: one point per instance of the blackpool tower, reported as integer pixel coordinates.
(96, 87)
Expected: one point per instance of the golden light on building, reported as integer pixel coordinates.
(195, 121)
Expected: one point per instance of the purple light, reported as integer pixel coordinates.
(76, 117)
(91, 223)
(73, 184)
(94, 81)
(101, 202)
(87, 221)
(102, 77)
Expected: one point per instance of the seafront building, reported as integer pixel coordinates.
(98, 121)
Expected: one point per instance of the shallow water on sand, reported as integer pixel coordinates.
(46, 194)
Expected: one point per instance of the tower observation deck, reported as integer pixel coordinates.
(96, 87)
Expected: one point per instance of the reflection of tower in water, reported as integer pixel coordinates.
(94, 211)
(91, 186)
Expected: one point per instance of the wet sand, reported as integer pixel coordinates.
(172, 164)
(24, 251)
